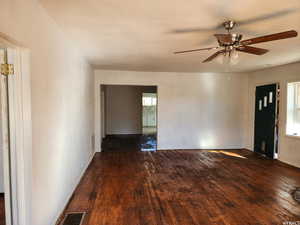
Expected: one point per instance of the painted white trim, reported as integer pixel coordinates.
(61, 210)
(21, 87)
(294, 80)
(292, 136)
(97, 116)
(285, 83)
(21, 132)
(5, 149)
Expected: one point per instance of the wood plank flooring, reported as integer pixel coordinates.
(234, 187)
(129, 143)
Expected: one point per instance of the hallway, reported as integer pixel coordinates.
(186, 188)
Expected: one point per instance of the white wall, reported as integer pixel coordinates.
(123, 109)
(62, 106)
(195, 111)
(288, 146)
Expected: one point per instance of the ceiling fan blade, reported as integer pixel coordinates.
(271, 37)
(252, 50)
(268, 16)
(195, 50)
(210, 58)
(223, 14)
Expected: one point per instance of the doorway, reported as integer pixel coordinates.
(149, 138)
(266, 120)
(128, 118)
(5, 154)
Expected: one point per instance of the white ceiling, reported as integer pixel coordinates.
(138, 34)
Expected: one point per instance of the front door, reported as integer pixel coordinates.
(265, 130)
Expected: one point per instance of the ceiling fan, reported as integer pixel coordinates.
(231, 42)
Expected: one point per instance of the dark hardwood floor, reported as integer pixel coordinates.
(121, 143)
(234, 187)
(2, 209)
(129, 143)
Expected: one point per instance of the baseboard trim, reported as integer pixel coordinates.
(287, 164)
(59, 217)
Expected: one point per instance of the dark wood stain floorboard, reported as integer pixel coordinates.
(187, 187)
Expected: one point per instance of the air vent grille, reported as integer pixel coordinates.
(296, 194)
(74, 218)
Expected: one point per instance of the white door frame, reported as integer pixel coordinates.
(20, 134)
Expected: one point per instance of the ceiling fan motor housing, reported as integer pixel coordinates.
(230, 40)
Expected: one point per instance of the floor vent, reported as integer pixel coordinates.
(74, 218)
(296, 194)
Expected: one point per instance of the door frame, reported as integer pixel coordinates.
(278, 107)
(19, 95)
(98, 103)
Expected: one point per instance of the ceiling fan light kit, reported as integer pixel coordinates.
(231, 43)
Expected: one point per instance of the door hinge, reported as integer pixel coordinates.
(7, 69)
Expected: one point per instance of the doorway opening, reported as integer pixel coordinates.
(128, 118)
(149, 139)
(5, 150)
(266, 125)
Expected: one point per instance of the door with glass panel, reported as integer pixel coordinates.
(266, 120)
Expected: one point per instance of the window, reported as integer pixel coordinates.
(293, 109)
(149, 100)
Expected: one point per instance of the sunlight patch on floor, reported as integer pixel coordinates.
(228, 153)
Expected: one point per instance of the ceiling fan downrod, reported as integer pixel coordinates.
(229, 25)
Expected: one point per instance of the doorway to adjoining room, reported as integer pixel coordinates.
(149, 140)
(128, 118)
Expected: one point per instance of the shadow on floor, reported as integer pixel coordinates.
(129, 143)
